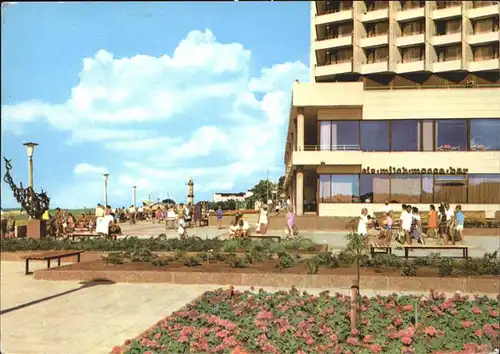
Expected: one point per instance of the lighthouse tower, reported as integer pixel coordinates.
(190, 195)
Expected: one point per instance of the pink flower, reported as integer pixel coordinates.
(352, 341)
(375, 348)
(407, 308)
(406, 340)
(367, 339)
(222, 334)
(127, 342)
(182, 339)
(467, 324)
(430, 331)
(476, 310)
(354, 332)
(493, 313)
(397, 320)
(478, 333)
(116, 350)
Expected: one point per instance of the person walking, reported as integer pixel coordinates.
(432, 223)
(459, 228)
(263, 220)
(219, 218)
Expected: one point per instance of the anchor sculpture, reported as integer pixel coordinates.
(35, 204)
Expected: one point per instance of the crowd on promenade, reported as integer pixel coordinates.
(445, 224)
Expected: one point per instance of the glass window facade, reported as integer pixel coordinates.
(484, 134)
(451, 135)
(412, 189)
(405, 135)
(339, 135)
(374, 135)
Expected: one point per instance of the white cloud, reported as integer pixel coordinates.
(86, 168)
(195, 113)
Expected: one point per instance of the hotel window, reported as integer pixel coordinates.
(325, 190)
(377, 55)
(338, 56)
(427, 135)
(345, 135)
(374, 188)
(412, 54)
(325, 135)
(376, 5)
(479, 3)
(452, 52)
(413, 27)
(448, 27)
(485, 52)
(405, 135)
(406, 5)
(374, 135)
(427, 189)
(484, 134)
(485, 25)
(445, 4)
(345, 188)
(451, 135)
(406, 188)
(336, 31)
(377, 28)
(336, 6)
(484, 189)
(450, 189)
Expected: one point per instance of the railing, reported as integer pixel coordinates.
(331, 148)
(334, 36)
(478, 4)
(430, 87)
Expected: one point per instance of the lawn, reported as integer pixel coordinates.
(227, 321)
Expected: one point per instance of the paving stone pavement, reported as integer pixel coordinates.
(88, 319)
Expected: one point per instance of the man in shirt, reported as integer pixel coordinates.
(363, 222)
(406, 221)
(460, 220)
(99, 211)
(387, 207)
(131, 213)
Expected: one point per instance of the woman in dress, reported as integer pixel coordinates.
(442, 226)
(292, 230)
(263, 220)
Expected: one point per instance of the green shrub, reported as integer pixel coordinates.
(192, 261)
(421, 261)
(445, 267)
(142, 255)
(286, 260)
(346, 259)
(409, 269)
(114, 258)
(312, 266)
(327, 259)
(179, 256)
(161, 261)
(238, 262)
(230, 246)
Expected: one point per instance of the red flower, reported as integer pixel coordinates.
(407, 340)
(407, 308)
(478, 333)
(116, 350)
(127, 342)
(352, 341)
(367, 339)
(467, 324)
(430, 331)
(183, 339)
(476, 310)
(375, 348)
(354, 332)
(493, 313)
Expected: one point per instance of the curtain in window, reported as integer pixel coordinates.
(485, 52)
(405, 189)
(380, 189)
(427, 189)
(484, 189)
(412, 54)
(345, 30)
(483, 26)
(344, 188)
(428, 135)
(450, 189)
(453, 26)
(412, 28)
(325, 135)
(324, 188)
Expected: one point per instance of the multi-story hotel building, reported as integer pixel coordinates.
(403, 106)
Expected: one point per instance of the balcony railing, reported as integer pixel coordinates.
(478, 4)
(331, 148)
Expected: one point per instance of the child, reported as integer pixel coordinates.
(182, 227)
(388, 226)
(416, 226)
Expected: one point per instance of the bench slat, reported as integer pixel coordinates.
(47, 256)
(438, 246)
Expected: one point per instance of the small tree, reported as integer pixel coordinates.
(356, 247)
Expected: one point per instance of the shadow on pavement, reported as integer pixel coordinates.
(84, 285)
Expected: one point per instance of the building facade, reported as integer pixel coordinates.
(225, 197)
(404, 106)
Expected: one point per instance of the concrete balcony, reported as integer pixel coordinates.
(410, 41)
(410, 14)
(414, 66)
(332, 43)
(334, 17)
(333, 69)
(484, 65)
(448, 12)
(451, 65)
(372, 68)
(376, 15)
(377, 41)
(446, 39)
(480, 38)
(483, 12)
(327, 157)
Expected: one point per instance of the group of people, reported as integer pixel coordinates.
(446, 225)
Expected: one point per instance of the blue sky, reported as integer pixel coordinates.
(153, 93)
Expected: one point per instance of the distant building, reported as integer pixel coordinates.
(224, 197)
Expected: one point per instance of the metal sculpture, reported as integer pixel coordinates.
(35, 204)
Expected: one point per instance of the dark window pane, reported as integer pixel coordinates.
(451, 135)
(345, 188)
(484, 189)
(345, 135)
(450, 189)
(405, 188)
(374, 188)
(375, 136)
(405, 135)
(324, 189)
(484, 134)
(427, 189)
(325, 132)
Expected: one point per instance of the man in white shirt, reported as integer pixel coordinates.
(406, 220)
(363, 222)
(387, 207)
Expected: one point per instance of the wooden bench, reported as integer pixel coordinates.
(464, 248)
(276, 238)
(74, 235)
(170, 223)
(50, 256)
(380, 245)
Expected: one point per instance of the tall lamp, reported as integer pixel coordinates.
(30, 148)
(106, 176)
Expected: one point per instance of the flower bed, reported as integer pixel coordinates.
(288, 322)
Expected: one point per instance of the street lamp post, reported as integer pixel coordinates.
(106, 176)
(133, 195)
(30, 148)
